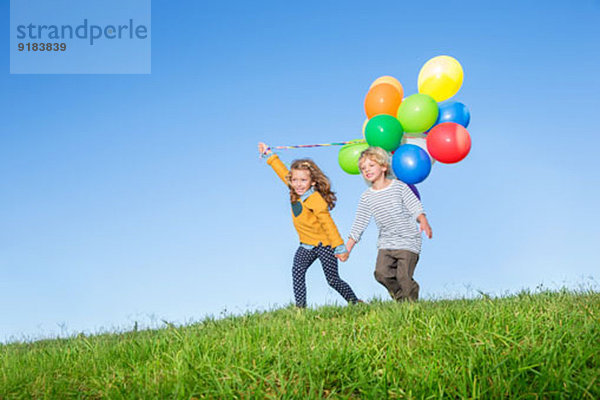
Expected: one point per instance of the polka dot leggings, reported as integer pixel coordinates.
(303, 260)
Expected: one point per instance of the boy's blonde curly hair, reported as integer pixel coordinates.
(379, 155)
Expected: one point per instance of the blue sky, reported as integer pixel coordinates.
(141, 198)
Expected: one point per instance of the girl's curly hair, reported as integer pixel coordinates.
(320, 180)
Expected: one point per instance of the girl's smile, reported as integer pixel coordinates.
(301, 181)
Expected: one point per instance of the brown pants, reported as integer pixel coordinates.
(394, 269)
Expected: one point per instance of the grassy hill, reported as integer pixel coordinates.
(544, 345)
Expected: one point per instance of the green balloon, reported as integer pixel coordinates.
(418, 113)
(349, 155)
(384, 131)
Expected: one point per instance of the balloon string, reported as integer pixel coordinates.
(305, 146)
(302, 146)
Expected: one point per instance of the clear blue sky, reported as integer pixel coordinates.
(140, 197)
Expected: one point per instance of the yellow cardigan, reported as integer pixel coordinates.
(311, 217)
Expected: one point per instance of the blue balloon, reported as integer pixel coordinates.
(454, 111)
(411, 164)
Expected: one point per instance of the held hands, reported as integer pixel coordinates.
(343, 257)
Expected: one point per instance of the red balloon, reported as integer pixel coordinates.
(448, 142)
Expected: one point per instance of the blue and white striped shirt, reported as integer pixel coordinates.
(395, 209)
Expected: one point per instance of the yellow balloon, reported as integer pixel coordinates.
(389, 80)
(364, 127)
(441, 78)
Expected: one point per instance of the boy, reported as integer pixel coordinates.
(395, 209)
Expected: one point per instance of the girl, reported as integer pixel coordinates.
(311, 199)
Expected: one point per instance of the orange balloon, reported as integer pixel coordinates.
(391, 80)
(382, 99)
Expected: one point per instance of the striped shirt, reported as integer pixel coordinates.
(395, 209)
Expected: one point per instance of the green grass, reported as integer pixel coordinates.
(544, 345)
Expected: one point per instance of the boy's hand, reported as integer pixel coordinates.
(350, 245)
(342, 257)
(424, 225)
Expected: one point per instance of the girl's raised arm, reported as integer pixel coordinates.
(274, 161)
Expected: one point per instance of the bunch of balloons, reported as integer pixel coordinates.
(419, 129)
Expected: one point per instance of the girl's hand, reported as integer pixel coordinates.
(342, 257)
(263, 149)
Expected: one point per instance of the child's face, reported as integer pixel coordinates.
(371, 170)
(301, 181)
